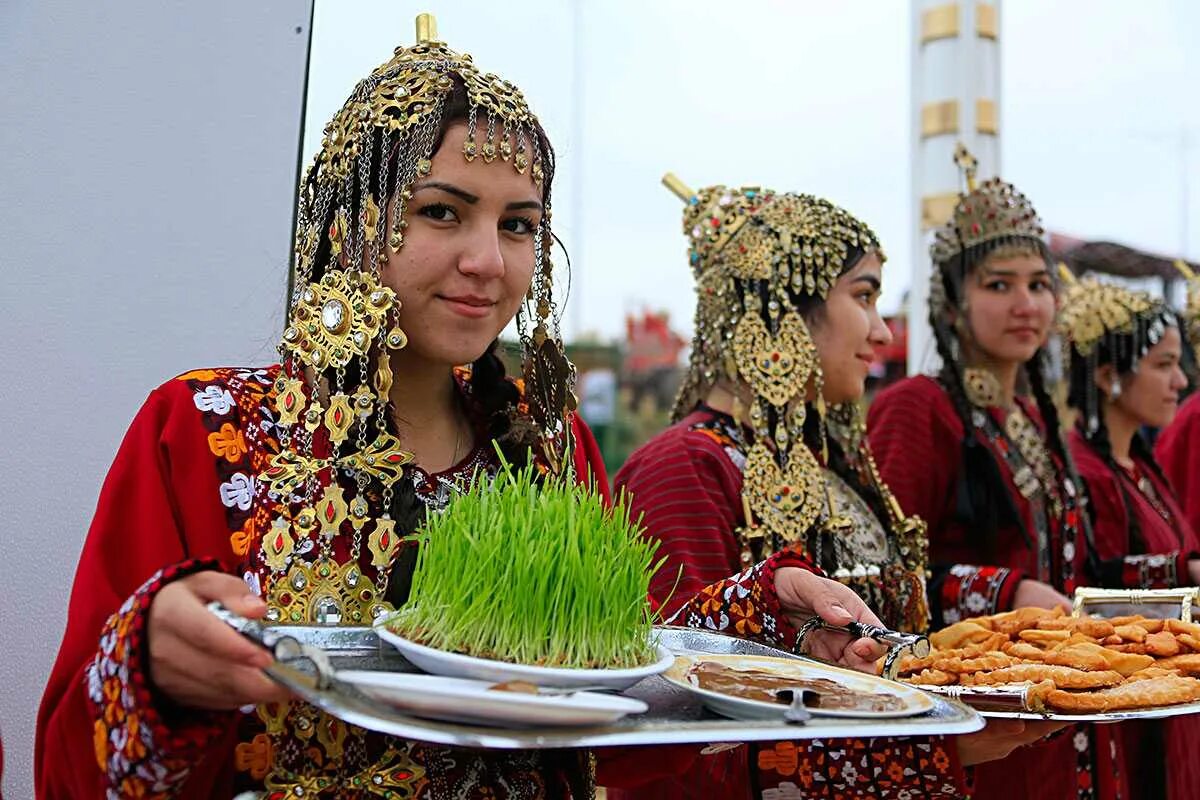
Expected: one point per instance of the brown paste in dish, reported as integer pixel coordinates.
(766, 686)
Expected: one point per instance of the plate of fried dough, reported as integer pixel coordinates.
(1036, 663)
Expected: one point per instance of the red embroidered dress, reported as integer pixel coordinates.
(687, 484)
(181, 497)
(1178, 452)
(917, 436)
(1155, 558)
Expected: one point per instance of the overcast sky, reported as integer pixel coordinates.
(1097, 98)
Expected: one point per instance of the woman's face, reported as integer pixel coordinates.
(847, 328)
(1010, 306)
(467, 258)
(1150, 395)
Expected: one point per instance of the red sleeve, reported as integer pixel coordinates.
(150, 515)
(1176, 453)
(687, 494)
(589, 462)
(1119, 568)
(916, 437)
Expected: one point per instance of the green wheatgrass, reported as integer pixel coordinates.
(533, 569)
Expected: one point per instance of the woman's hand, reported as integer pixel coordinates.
(1039, 595)
(1001, 737)
(1194, 571)
(804, 595)
(197, 660)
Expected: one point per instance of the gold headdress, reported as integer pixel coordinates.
(992, 212)
(751, 251)
(1191, 313)
(333, 391)
(1102, 321)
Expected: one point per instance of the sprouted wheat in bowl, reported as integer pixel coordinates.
(534, 570)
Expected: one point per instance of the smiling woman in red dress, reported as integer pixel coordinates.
(1125, 349)
(985, 463)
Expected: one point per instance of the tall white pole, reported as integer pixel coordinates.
(955, 97)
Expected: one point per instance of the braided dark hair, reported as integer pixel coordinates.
(982, 499)
(1121, 351)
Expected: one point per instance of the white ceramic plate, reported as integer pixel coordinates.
(460, 700)
(915, 701)
(456, 665)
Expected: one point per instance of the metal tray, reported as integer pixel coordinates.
(1009, 702)
(675, 716)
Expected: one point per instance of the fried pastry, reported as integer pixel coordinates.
(958, 635)
(933, 677)
(1080, 655)
(1162, 644)
(1131, 633)
(984, 663)
(1166, 690)
(1179, 627)
(1063, 677)
(1044, 638)
(1019, 619)
(1088, 626)
(1188, 663)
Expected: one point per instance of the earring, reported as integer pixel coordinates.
(1114, 392)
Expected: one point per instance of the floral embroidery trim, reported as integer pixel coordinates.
(138, 754)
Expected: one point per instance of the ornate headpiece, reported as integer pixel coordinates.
(1097, 317)
(992, 212)
(752, 251)
(1191, 313)
(333, 390)
(1092, 310)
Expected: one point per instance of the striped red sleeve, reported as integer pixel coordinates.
(687, 494)
(916, 435)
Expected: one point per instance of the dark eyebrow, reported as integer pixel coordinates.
(871, 280)
(449, 188)
(471, 199)
(1008, 273)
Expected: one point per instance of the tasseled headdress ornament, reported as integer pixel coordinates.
(1103, 318)
(751, 252)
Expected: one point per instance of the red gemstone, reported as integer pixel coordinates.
(785, 491)
(289, 402)
(279, 542)
(273, 471)
(716, 223)
(337, 416)
(329, 512)
(774, 356)
(975, 227)
(384, 540)
(285, 599)
(402, 774)
(394, 458)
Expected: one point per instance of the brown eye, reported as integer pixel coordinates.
(439, 212)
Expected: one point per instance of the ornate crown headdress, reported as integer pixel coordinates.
(749, 248)
(333, 390)
(989, 212)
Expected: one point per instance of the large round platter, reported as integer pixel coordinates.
(914, 701)
(457, 665)
(473, 702)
